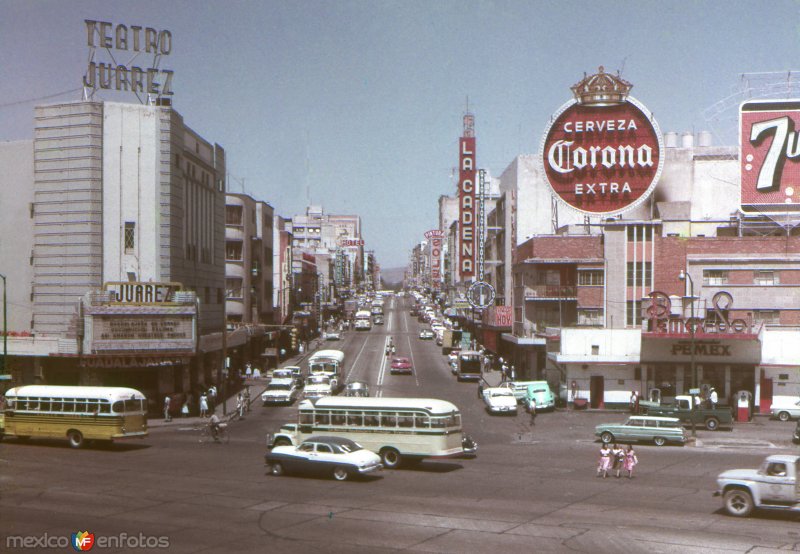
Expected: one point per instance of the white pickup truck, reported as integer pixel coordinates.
(773, 486)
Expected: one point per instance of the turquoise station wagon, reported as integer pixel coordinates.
(659, 430)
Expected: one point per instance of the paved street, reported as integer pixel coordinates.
(529, 488)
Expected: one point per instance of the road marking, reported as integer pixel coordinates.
(382, 370)
(413, 363)
(352, 367)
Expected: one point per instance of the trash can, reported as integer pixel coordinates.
(744, 405)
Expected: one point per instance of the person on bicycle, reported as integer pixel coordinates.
(213, 424)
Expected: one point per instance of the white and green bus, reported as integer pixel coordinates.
(77, 413)
(398, 429)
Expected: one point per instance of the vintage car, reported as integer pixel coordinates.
(401, 365)
(333, 335)
(500, 400)
(337, 456)
(659, 430)
(317, 386)
(356, 388)
(426, 334)
(296, 373)
(773, 486)
(786, 408)
(377, 319)
(280, 391)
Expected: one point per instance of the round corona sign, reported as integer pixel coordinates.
(602, 159)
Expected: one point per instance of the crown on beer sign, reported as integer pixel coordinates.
(601, 89)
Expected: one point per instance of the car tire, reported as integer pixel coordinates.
(75, 438)
(712, 424)
(606, 437)
(659, 441)
(282, 441)
(276, 469)
(390, 458)
(738, 502)
(783, 416)
(340, 473)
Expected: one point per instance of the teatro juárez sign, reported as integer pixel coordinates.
(602, 151)
(134, 39)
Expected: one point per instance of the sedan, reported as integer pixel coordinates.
(426, 334)
(342, 458)
(401, 365)
(500, 400)
(332, 335)
(659, 430)
(786, 408)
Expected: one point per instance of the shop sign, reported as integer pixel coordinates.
(128, 41)
(351, 243)
(701, 348)
(120, 362)
(602, 155)
(500, 316)
(770, 155)
(434, 237)
(125, 292)
(151, 328)
(661, 318)
(467, 199)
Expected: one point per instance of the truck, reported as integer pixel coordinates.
(350, 308)
(684, 408)
(773, 486)
(451, 340)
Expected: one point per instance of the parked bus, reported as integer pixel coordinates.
(330, 363)
(78, 414)
(397, 429)
(363, 320)
(469, 365)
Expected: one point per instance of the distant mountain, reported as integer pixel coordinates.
(393, 275)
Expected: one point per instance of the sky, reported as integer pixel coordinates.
(357, 105)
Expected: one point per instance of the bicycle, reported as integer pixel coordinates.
(223, 434)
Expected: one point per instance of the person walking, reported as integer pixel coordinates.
(240, 406)
(247, 398)
(248, 371)
(167, 416)
(185, 409)
(532, 410)
(618, 459)
(630, 461)
(605, 461)
(203, 405)
(633, 402)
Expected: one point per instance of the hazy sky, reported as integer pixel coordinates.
(361, 102)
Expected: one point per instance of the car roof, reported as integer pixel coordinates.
(330, 440)
(785, 458)
(655, 418)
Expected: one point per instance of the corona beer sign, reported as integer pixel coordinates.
(602, 151)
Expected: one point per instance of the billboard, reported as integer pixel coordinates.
(769, 155)
(466, 200)
(602, 153)
(435, 236)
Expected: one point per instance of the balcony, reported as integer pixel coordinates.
(551, 292)
(233, 269)
(234, 233)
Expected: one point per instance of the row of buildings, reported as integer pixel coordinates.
(625, 260)
(124, 256)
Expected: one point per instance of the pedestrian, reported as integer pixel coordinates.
(185, 409)
(212, 397)
(203, 405)
(630, 461)
(256, 373)
(513, 373)
(605, 461)
(714, 398)
(480, 389)
(532, 409)
(240, 406)
(248, 371)
(618, 455)
(633, 402)
(167, 416)
(247, 398)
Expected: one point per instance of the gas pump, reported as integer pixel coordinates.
(744, 405)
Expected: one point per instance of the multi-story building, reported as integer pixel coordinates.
(282, 269)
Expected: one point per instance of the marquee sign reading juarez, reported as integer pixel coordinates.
(602, 151)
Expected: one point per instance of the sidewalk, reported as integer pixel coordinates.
(257, 386)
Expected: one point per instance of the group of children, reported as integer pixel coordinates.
(616, 459)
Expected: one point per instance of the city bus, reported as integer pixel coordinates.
(397, 429)
(79, 414)
(469, 365)
(330, 363)
(363, 320)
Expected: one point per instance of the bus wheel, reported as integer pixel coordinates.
(75, 439)
(391, 458)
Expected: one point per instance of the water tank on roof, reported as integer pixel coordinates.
(687, 140)
(671, 139)
(704, 138)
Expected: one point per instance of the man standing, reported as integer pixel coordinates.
(167, 416)
(203, 405)
(532, 408)
(714, 398)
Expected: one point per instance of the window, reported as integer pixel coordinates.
(591, 277)
(233, 288)
(324, 448)
(306, 447)
(769, 317)
(233, 250)
(595, 350)
(233, 215)
(643, 270)
(715, 277)
(355, 419)
(388, 420)
(590, 316)
(323, 418)
(765, 278)
(130, 237)
(640, 232)
(634, 313)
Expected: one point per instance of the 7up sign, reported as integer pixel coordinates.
(770, 155)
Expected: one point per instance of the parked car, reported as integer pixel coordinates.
(773, 486)
(786, 408)
(659, 430)
(685, 408)
(356, 388)
(333, 335)
(401, 365)
(296, 372)
(337, 456)
(426, 334)
(500, 400)
(796, 437)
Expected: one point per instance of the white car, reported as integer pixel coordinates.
(280, 391)
(786, 408)
(500, 400)
(426, 334)
(318, 386)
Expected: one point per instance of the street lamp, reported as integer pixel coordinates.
(5, 327)
(684, 275)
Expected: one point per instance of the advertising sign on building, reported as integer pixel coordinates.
(435, 237)
(467, 239)
(602, 151)
(350, 243)
(770, 155)
(500, 316)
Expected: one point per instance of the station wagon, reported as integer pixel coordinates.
(659, 430)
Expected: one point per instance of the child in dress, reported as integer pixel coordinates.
(630, 461)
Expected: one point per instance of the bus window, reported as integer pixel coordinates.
(69, 405)
(371, 420)
(306, 418)
(438, 422)
(323, 418)
(105, 407)
(355, 418)
(118, 407)
(44, 405)
(337, 419)
(33, 404)
(405, 420)
(80, 405)
(421, 421)
(56, 405)
(133, 405)
(388, 420)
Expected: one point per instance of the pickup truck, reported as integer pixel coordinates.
(773, 486)
(684, 409)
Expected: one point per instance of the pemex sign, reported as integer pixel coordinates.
(602, 152)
